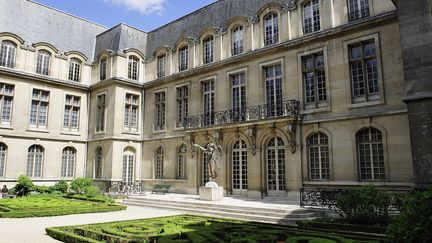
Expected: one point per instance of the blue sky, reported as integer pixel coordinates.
(144, 14)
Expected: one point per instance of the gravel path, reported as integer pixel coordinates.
(32, 230)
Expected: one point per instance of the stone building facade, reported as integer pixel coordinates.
(297, 93)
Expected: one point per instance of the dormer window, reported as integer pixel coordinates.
(133, 71)
(75, 70)
(208, 49)
(7, 54)
(237, 40)
(161, 65)
(271, 28)
(183, 58)
(358, 9)
(43, 62)
(311, 17)
(103, 69)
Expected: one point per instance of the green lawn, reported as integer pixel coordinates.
(187, 228)
(51, 205)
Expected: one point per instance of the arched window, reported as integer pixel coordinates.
(276, 182)
(3, 153)
(68, 162)
(103, 69)
(311, 17)
(358, 9)
(271, 28)
(183, 58)
(239, 166)
(159, 173)
(75, 70)
(128, 165)
(370, 151)
(318, 156)
(181, 162)
(98, 163)
(43, 62)
(208, 49)
(7, 54)
(133, 68)
(237, 40)
(35, 158)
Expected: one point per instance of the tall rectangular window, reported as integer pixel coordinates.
(237, 40)
(273, 84)
(39, 108)
(208, 102)
(43, 62)
(131, 112)
(311, 17)
(133, 71)
(364, 72)
(74, 70)
(100, 115)
(6, 100)
(103, 69)
(71, 112)
(314, 81)
(183, 58)
(271, 28)
(182, 104)
(7, 54)
(208, 49)
(161, 65)
(238, 86)
(358, 9)
(159, 123)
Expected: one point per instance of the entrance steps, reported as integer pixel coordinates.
(231, 208)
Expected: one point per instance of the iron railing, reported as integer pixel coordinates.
(288, 108)
(358, 14)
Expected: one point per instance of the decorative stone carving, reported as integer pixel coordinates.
(290, 6)
(251, 132)
(291, 129)
(252, 20)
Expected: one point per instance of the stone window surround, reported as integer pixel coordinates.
(72, 131)
(261, 66)
(229, 85)
(103, 131)
(164, 90)
(188, 84)
(126, 130)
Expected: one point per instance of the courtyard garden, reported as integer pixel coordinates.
(188, 228)
(61, 199)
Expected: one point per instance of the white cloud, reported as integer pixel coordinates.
(142, 6)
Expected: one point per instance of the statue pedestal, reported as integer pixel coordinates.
(211, 192)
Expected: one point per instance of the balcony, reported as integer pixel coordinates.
(286, 109)
(358, 14)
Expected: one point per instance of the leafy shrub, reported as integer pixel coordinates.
(24, 185)
(415, 222)
(79, 185)
(365, 205)
(61, 186)
(42, 189)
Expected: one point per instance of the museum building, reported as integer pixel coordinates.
(297, 93)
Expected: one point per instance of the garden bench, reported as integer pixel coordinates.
(160, 188)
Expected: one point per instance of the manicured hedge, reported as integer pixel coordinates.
(343, 227)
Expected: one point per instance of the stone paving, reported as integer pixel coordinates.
(32, 230)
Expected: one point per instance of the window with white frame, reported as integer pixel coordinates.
(159, 160)
(161, 65)
(128, 166)
(237, 40)
(276, 179)
(74, 70)
(6, 101)
(98, 163)
(103, 69)
(100, 115)
(208, 50)
(273, 89)
(35, 157)
(68, 162)
(43, 62)
(314, 81)
(238, 93)
(7, 54)
(363, 63)
(271, 28)
(208, 89)
(370, 150)
(71, 112)
(239, 166)
(358, 9)
(182, 104)
(133, 68)
(3, 155)
(181, 162)
(131, 112)
(205, 172)
(318, 156)
(159, 123)
(183, 58)
(311, 17)
(39, 108)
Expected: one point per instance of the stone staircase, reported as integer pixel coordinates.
(268, 214)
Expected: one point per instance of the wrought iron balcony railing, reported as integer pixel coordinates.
(358, 14)
(288, 108)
